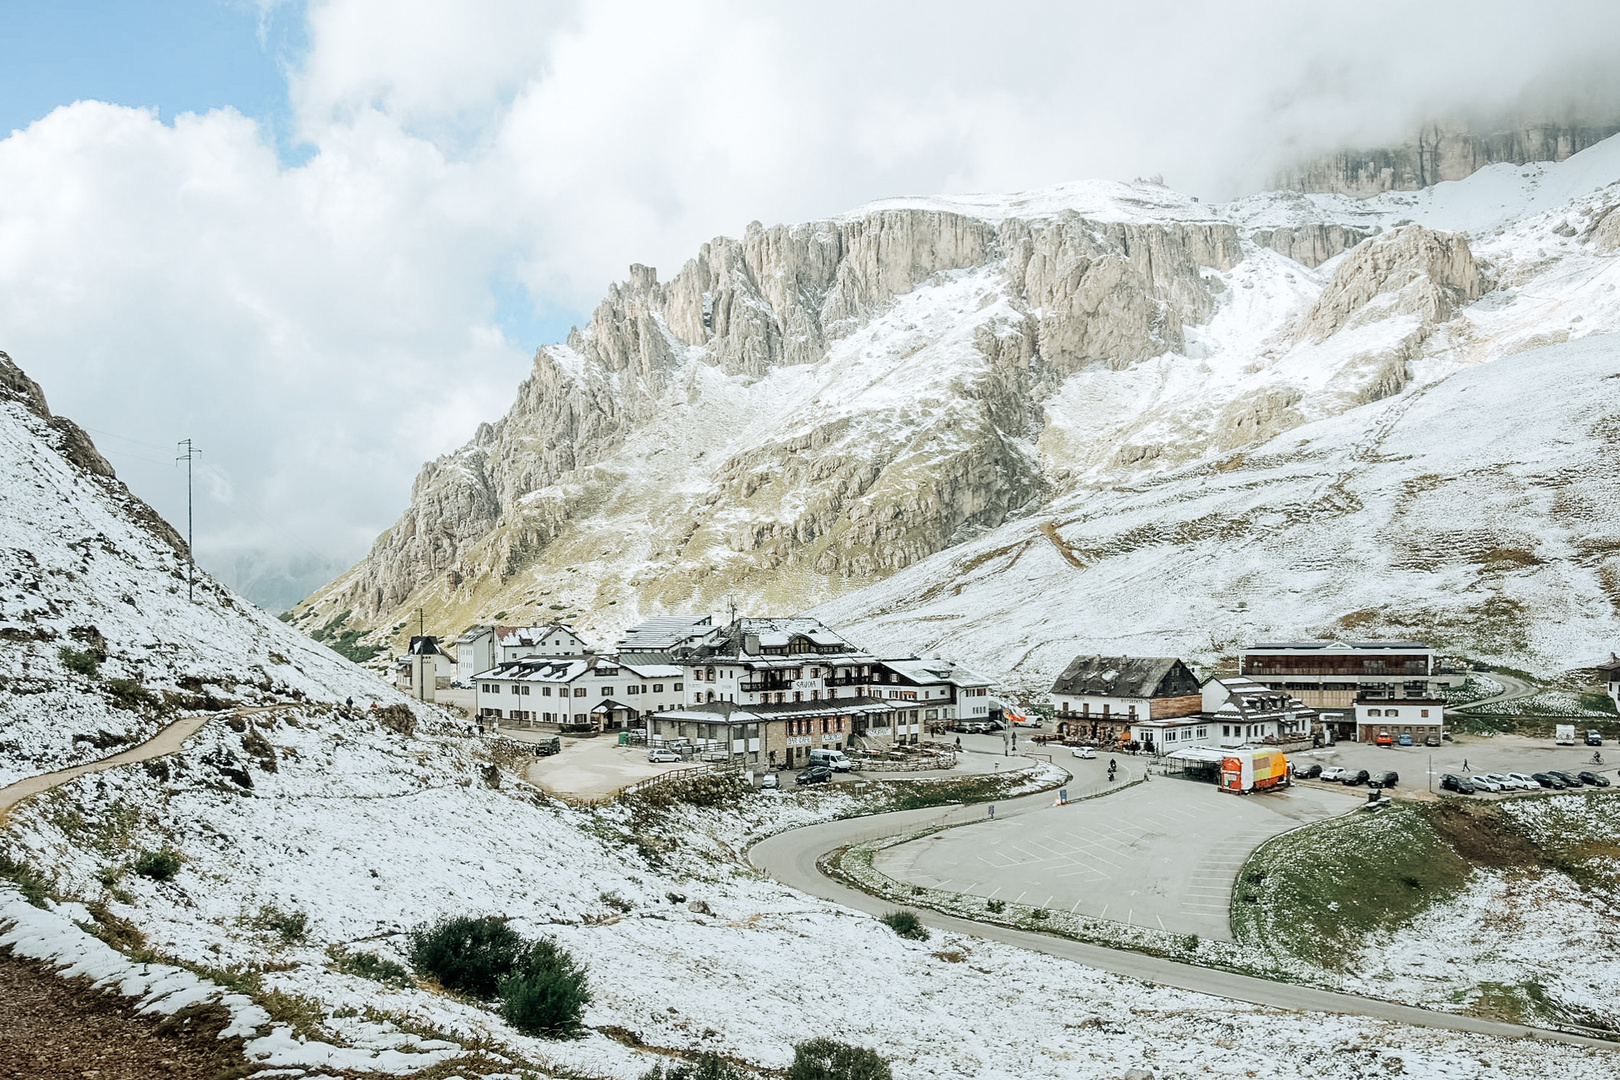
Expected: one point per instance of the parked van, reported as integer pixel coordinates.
(833, 759)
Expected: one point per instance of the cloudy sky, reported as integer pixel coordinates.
(323, 240)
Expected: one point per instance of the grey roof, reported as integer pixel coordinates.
(424, 646)
(1337, 646)
(663, 632)
(1126, 676)
(744, 638)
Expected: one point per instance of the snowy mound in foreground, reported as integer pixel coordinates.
(99, 645)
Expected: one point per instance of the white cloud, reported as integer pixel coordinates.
(322, 328)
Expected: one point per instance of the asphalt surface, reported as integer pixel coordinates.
(791, 858)
(1164, 854)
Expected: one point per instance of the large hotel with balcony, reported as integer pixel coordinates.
(1333, 674)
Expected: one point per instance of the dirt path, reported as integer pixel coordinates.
(167, 741)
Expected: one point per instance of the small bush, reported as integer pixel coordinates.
(35, 889)
(907, 925)
(547, 994)
(158, 865)
(468, 955)
(290, 926)
(79, 661)
(996, 907)
(1038, 915)
(371, 966)
(710, 1066)
(399, 719)
(826, 1059)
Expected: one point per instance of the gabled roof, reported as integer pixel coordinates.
(1126, 676)
(1609, 670)
(514, 637)
(473, 633)
(932, 671)
(745, 639)
(424, 646)
(664, 632)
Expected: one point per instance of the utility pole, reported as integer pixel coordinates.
(188, 454)
(421, 621)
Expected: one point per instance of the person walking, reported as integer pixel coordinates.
(1465, 764)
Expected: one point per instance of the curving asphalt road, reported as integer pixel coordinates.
(1512, 689)
(792, 857)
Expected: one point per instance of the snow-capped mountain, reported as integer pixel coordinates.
(899, 394)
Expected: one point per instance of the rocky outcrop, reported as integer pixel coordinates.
(852, 495)
(1311, 244)
(1441, 152)
(1409, 270)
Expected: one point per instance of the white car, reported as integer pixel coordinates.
(1508, 783)
(1528, 783)
(1335, 773)
(768, 782)
(1083, 752)
(1486, 783)
(662, 756)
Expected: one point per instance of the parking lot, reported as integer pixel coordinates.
(1162, 854)
(1493, 754)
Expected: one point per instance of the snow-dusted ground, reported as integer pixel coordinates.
(1529, 933)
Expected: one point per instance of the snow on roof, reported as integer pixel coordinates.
(664, 632)
(1126, 676)
(654, 671)
(932, 670)
(1336, 646)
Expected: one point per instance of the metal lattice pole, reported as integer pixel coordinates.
(187, 455)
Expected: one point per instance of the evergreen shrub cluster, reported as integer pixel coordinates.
(542, 988)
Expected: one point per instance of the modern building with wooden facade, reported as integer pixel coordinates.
(1333, 674)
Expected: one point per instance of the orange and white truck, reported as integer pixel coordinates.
(1248, 769)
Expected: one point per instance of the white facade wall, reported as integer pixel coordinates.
(572, 702)
(1119, 708)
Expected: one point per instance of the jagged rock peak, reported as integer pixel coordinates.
(1443, 151)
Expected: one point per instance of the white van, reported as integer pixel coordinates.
(833, 759)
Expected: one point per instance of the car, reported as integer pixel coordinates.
(1460, 784)
(1595, 779)
(1569, 779)
(1083, 752)
(1357, 776)
(1334, 773)
(768, 782)
(661, 755)
(1404, 740)
(1309, 772)
(1384, 739)
(815, 774)
(1594, 737)
(1485, 783)
(1528, 783)
(1385, 778)
(1504, 783)
(1547, 780)
(1431, 740)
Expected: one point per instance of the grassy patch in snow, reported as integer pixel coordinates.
(1317, 893)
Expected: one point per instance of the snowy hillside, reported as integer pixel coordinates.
(101, 646)
(806, 412)
(308, 834)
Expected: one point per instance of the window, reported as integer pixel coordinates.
(677, 686)
(632, 689)
(1203, 733)
(1424, 713)
(824, 727)
(1226, 729)
(1133, 712)
(545, 691)
(658, 687)
(580, 718)
(1065, 707)
(521, 689)
(1375, 712)
(579, 691)
(493, 688)
(1392, 712)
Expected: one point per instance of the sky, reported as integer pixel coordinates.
(324, 239)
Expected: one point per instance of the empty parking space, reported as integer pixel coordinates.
(1162, 854)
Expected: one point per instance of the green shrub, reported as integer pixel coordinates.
(290, 926)
(466, 954)
(826, 1059)
(35, 888)
(79, 661)
(996, 907)
(371, 966)
(710, 1066)
(547, 994)
(907, 925)
(158, 865)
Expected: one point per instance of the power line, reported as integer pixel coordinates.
(189, 453)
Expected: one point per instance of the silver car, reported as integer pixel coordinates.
(1486, 783)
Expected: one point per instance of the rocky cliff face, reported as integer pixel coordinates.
(1442, 152)
(810, 409)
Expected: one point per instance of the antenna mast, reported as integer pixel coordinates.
(188, 454)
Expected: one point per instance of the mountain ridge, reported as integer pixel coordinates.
(805, 411)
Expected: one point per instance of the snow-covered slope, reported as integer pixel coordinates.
(308, 832)
(802, 413)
